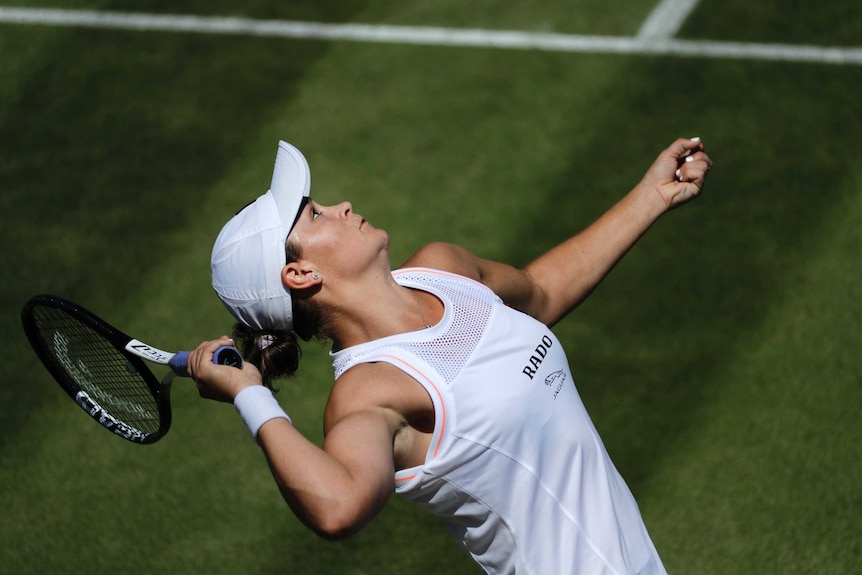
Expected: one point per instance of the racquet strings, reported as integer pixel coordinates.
(93, 365)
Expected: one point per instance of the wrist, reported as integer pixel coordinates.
(653, 201)
(257, 405)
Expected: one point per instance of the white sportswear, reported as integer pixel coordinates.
(515, 467)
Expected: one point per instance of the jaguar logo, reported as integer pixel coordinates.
(558, 377)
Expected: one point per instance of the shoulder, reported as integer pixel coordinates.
(374, 388)
(446, 257)
(516, 287)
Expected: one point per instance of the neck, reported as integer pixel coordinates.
(381, 310)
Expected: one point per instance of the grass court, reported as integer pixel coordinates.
(720, 361)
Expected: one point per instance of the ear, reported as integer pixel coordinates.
(300, 275)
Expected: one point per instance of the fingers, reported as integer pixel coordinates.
(692, 162)
(203, 354)
(214, 381)
(694, 167)
(683, 147)
(679, 172)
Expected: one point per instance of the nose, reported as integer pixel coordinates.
(345, 209)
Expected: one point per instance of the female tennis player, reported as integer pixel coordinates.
(450, 387)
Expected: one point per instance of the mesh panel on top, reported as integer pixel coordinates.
(448, 345)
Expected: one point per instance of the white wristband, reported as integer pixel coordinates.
(256, 405)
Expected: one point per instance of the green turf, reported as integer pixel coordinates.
(719, 360)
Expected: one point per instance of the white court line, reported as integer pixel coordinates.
(666, 19)
(430, 36)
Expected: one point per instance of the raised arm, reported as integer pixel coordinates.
(553, 284)
(568, 273)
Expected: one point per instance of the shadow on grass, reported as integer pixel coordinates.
(644, 347)
(90, 144)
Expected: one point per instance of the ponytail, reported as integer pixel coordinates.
(276, 354)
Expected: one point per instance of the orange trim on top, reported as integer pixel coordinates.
(439, 397)
(429, 271)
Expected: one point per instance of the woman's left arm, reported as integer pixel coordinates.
(553, 284)
(569, 272)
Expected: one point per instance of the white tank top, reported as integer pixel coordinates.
(515, 468)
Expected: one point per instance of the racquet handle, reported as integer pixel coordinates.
(225, 355)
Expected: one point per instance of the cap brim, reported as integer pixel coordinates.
(291, 182)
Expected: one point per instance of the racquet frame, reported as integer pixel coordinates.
(133, 351)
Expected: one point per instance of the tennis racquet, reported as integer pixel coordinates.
(101, 368)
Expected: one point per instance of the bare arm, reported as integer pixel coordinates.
(553, 284)
(338, 489)
(335, 490)
(568, 273)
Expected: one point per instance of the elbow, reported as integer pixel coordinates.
(331, 522)
(335, 528)
(333, 533)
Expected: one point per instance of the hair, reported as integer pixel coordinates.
(276, 353)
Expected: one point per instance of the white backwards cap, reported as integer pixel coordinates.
(248, 254)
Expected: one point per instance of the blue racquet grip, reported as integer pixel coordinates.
(225, 355)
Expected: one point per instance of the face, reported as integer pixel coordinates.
(335, 239)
